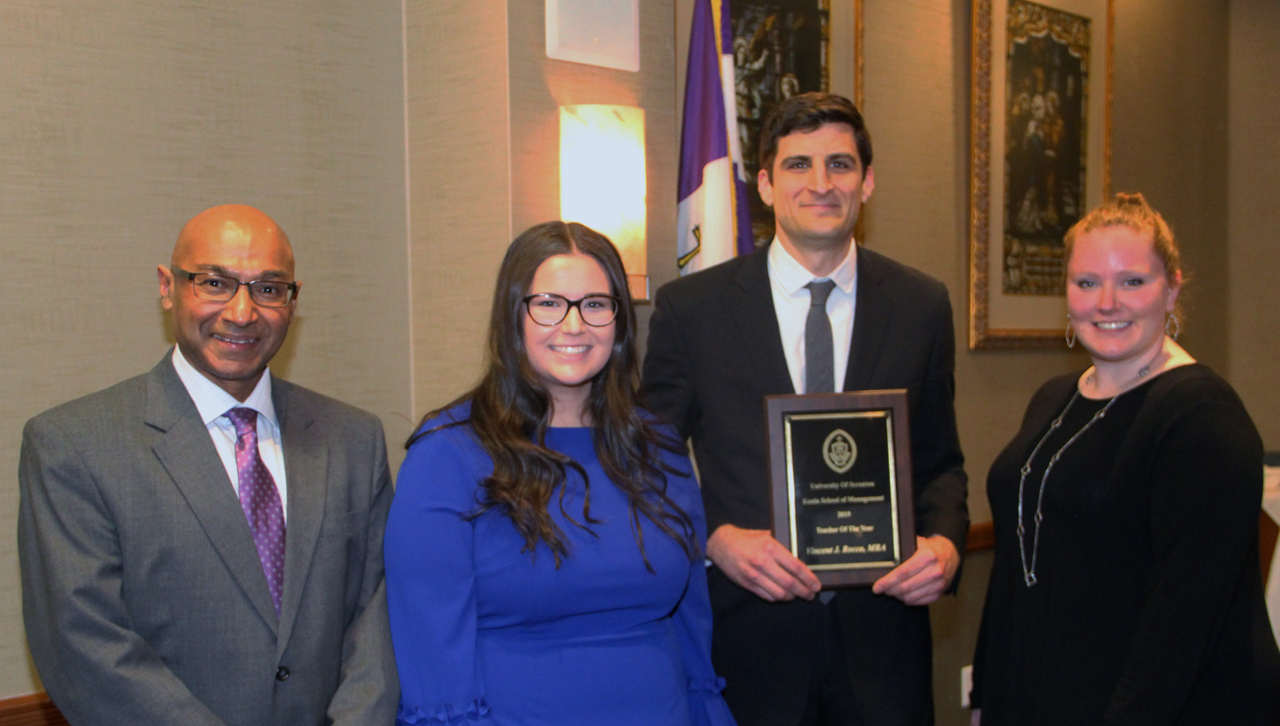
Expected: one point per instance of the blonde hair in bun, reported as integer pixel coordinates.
(1132, 211)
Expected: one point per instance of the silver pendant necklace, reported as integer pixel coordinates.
(1029, 571)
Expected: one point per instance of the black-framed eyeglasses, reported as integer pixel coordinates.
(549, 309)
(267, 293)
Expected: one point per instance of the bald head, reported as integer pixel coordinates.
(232, 229)
(230, 341)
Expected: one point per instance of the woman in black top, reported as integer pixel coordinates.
(1126, 587)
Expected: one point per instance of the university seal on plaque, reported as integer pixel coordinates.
(839, 451)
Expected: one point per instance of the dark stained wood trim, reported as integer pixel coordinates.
(982, 536)
(33, 710)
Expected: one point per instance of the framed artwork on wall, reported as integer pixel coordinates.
(1040, 158)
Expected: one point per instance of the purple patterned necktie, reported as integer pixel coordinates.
(260, 500)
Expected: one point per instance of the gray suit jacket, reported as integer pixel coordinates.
(143, 595)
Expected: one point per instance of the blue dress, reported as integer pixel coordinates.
(487, 633)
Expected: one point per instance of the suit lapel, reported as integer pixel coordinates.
(188, 455)
(306, 465)
(870, 324)
(752, 301)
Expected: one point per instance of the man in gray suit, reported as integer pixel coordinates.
(202, 544)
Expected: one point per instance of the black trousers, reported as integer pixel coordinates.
(862, 660)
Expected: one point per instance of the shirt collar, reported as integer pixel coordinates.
(212, 402)
(793, 276)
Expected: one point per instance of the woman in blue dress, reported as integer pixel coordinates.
(544, 549)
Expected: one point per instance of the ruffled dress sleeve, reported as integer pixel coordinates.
(430, 579)
(693, 615)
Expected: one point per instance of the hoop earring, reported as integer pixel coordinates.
(1177, 327)
(1070, 334)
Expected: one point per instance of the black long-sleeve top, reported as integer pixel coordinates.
(1149, 606)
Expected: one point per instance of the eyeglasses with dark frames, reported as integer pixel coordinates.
(220, 288)
(550, 309)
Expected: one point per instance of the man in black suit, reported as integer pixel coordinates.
(724, 338)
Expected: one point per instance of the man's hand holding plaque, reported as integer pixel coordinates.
(753, 559)
(925, 575)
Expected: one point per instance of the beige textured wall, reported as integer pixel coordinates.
(123, 120)
(479, 78)
(459, 186)
(1170, 141)
(1253, 231)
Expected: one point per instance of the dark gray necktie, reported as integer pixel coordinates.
(819, 355)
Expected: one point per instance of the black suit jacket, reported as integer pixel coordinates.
(715, 352)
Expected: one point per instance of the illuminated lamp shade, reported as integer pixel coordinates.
(602, 180)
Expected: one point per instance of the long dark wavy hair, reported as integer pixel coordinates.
(511, 409)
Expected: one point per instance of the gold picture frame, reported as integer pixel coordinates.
(1039, 181)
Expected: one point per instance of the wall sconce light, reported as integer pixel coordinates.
(602, 180)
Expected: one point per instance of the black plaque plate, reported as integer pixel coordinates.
(840, 466)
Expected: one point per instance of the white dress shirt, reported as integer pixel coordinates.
(787, 280)
(213, 403)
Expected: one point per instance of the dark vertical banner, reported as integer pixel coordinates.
(1046, 123)
(780, 48)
